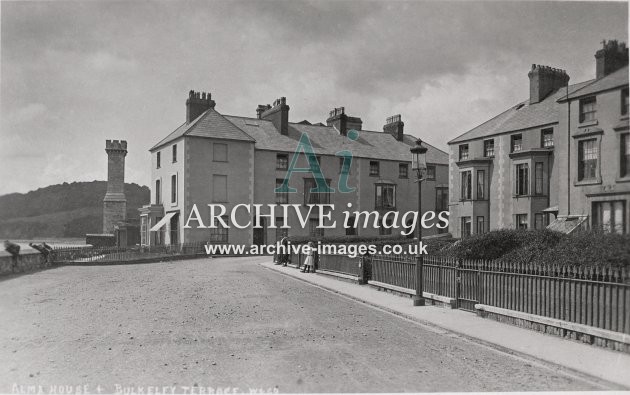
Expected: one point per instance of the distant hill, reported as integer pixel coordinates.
(63, 210)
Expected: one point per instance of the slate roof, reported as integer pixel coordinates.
(326, 140)
(613, 80)
(208, 124)
(521, 116)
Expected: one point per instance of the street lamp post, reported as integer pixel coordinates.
(419, 165)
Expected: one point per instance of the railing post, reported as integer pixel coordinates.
(458, 281)
(362, 274)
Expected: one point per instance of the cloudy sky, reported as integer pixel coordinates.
(76, 73)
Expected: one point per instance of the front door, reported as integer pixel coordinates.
(261, 233)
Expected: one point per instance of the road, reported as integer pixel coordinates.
(217, 324)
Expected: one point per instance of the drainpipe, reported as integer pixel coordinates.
(568, 153)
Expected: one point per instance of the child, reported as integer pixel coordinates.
(309, 264)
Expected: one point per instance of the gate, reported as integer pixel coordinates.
(468, 285)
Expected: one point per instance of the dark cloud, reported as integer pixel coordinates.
(91, 70)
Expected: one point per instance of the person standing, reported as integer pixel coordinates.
(285, 253)
(309, 263)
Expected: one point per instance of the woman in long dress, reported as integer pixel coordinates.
(309, 264)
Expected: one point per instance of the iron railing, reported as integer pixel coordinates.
(597, 296)
(124, 254)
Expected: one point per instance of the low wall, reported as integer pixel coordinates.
(583, 333)
(22, 263)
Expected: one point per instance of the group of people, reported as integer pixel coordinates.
(284, 256)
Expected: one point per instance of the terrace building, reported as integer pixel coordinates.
(539, 163)
(232, 160)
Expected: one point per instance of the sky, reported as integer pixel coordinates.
(73, 74)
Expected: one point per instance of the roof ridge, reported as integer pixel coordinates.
(485, 122)
(236, 126)
(429, 144)
(593, 81)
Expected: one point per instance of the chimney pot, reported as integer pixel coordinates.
(278, 114)
(610, 58)
(197, 104)
(395, 126)
(544, 80)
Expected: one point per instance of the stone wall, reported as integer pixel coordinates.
(27, 262)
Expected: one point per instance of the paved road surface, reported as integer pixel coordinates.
(231, 323)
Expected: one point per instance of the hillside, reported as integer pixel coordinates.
(63, 210)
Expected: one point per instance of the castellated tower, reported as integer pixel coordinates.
(115, 203)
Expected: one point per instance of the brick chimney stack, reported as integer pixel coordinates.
(115, 202)
(196, 104)
(261, 109)
(543, 80)
(395, 126)
(338, 118)
(278, 114)
(610, 58)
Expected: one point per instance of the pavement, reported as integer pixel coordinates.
(210, 325)
(608, 365)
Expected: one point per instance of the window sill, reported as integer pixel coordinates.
(586, 124)
(594, 181)
(385, 208)
(374, 175)
(624, 117)
(220, 161)
(623, 179)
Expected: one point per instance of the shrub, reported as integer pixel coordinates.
(588, 248)
(500, 243)
(542, 247)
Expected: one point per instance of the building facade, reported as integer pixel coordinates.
(538, 164)
(232, 160)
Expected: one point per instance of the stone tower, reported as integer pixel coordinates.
(115, 203)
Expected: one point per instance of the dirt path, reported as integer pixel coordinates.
(230, 323)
